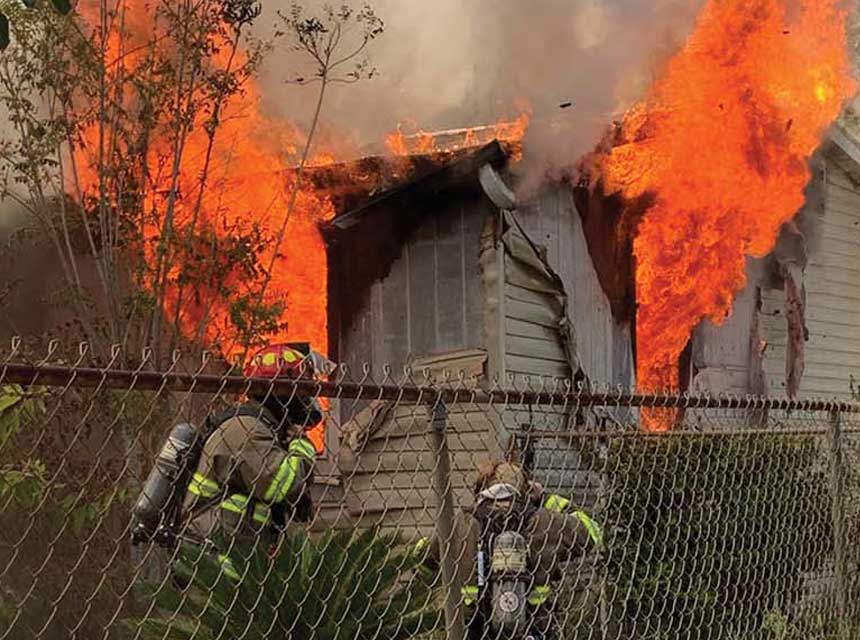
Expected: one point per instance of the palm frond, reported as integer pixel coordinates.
(339, 586)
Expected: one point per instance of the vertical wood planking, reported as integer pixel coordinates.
(378, 355)
(395, 315)
(450, 280)
(422, 290)
(475, 215)
(550, 229)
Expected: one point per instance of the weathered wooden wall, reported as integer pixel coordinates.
(604, 346)
(431, 300)
(832, 286)
(721, 352)
(387, 460)
(443, 294)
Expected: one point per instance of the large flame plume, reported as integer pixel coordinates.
(251, 173)
(251, 169)
(721, 144)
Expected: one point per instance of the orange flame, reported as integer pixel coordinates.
(722, 143)
(250, 178)
(422, 142)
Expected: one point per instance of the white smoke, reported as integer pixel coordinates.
(449, 64)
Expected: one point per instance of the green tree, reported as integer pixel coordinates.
(102, 111)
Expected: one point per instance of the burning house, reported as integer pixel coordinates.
(449, 272)
(668, 264)
(795, 326)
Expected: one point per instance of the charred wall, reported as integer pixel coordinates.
(405, 283)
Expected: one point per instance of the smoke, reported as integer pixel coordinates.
(450, 64)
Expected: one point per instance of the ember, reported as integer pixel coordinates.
(722, 143)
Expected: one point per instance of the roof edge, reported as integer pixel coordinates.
(450, 173)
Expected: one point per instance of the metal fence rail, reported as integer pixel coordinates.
(740, 521)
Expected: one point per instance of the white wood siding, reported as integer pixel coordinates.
(832, 282)
(604, 346)
(721, 352)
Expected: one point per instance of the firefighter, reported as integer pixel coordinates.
(560, 504)
(254, 474)
(505, 502)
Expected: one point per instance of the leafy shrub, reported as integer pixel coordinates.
(709, 534)
(343, 586)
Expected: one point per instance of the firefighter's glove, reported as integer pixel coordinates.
(303, 448)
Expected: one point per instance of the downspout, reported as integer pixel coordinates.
(505, 200)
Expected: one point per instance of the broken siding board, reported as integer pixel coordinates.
(531, 312)
(523, 277)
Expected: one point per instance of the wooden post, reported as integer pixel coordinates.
(837, 481)
(445, 520)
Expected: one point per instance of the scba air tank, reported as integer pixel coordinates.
(509, 578)
(164, 489)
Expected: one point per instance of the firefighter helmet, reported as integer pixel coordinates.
(286, 361)
(279, 361)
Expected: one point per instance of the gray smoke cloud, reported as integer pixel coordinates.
(455, 63)
(458, 63)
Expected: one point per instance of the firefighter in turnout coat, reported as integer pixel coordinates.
(552, 537)
(254, 474)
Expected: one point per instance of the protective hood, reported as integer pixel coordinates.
(499, 491)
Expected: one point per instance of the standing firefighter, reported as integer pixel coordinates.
(510, 549)
(253, 465)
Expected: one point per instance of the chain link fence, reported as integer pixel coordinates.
(740, 521)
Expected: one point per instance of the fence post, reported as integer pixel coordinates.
(837, 491)
(445, 519)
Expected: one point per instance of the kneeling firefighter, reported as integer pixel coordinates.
(510, 548)
(245, 476)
